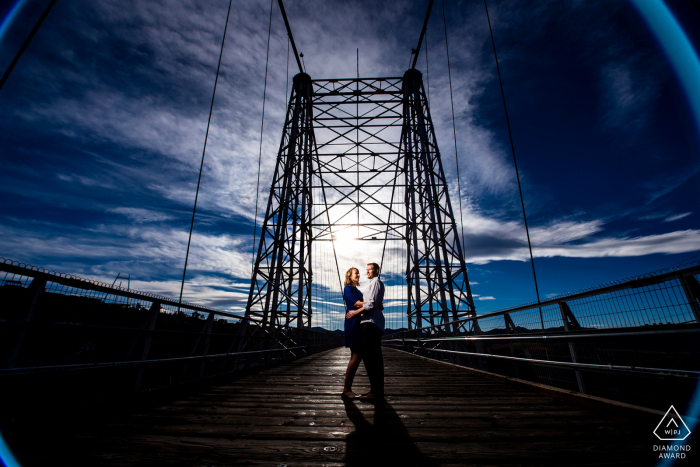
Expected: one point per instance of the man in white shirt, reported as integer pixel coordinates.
(371, 330)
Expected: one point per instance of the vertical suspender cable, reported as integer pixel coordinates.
(330, 227)
(454, 127)
(262, 126)
(201, 165)
(286, 86)
(515, 163)
(357, 147)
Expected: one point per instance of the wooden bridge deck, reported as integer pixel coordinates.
(434, 414)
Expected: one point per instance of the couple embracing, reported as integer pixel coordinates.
(364, 326)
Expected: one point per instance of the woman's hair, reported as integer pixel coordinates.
(348, 280)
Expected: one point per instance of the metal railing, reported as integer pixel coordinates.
(65, 336)
(634, 340)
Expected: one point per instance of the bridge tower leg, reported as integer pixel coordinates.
(280, 293)
(438, 287)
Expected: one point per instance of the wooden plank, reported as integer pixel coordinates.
(292, 415)
(571, 396)
(191, 450)
(342, 420)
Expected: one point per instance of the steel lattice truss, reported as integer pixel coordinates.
(435, 269)
(359, 159)
(280, 293)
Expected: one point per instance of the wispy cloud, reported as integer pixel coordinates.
(87, 181)
(140, 215)
(626, 96)
(676, 217)
(665, 184)
(654, 215)
(119, 97)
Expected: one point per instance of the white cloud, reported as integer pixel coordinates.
(200, 290)
(491, 239)
(144, 250)
(668, 243)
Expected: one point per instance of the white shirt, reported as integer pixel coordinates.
(374, 296)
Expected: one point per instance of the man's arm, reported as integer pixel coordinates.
(371, 296)
(358, 310)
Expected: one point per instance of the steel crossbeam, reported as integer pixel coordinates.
(357, 126)
(358, 159)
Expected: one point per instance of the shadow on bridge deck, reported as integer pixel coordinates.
(291, 415)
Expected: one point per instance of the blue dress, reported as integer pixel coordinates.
(352, 326)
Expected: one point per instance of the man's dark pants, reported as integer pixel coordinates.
(371, 345)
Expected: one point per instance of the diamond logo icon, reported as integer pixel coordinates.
(672, 427)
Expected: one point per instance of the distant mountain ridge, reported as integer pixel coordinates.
(387, 331)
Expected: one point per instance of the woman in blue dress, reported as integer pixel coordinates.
(353, 301)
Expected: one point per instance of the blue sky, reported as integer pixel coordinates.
(104, 119)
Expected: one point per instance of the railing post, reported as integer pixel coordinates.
(205, 350)
(510, 329)
(570, 323)
(692, 293)
(35, 290)
(480, 347)
(419, 335)
(206, 330)
(148, 337)
(236, 341)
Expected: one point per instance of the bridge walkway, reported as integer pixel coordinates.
(434, 414)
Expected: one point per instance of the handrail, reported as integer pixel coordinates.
(88, 366)
(584, 366)
(124, 343)
(565, 336)
(71, 280)
(642, 280)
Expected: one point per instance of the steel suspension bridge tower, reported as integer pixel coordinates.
(358, 156)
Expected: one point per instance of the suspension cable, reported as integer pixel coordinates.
(26, 43)
(454, 127)
(262, 126)
(427, 66)
(515, 163)
(201, 165)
